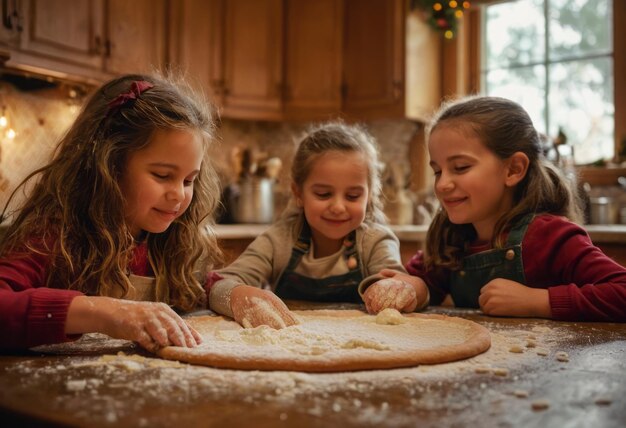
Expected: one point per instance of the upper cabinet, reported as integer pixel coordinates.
(313, 59)
(294, 59)
(374, 58)
(90, 40)
(252, 84)
(67, 30)
(136, 35)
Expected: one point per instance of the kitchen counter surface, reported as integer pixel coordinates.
(537, 373)
(615, 233)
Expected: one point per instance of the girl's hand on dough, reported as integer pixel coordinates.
(398, 291)
(253, 307)
(390, 293)
(153, 325)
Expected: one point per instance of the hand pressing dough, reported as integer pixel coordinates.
(332, 341)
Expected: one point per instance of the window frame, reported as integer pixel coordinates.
(468, 46)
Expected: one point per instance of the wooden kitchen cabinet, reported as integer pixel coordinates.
(313, 60)
(195, 43)
(293, 59)
(91, 40)
(281, 59)
(69, 30)
(252, 59)
(374, 58)
(136, 36)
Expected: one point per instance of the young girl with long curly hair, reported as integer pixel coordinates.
(115, 233)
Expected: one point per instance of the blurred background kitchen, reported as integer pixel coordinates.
(273, 67)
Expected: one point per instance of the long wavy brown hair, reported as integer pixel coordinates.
(74, 211)
(505, 128)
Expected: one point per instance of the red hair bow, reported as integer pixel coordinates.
(137, 87)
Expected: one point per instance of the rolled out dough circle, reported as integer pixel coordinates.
(333, 341)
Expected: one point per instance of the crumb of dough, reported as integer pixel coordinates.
(482, 369)
(520, 393)
(530, 343)
(562, 356)
(542, 352)
(603, 401)
(538, 405)
(499, 371)
(390, 316)
(516, 349)
(76, 385)
(367, 344)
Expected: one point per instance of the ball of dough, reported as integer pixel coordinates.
(390, 316)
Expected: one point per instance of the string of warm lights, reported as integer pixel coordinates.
(443, 16)
(5, 130)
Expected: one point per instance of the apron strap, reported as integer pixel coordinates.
(519, 230)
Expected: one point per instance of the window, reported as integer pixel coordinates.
(555, 58)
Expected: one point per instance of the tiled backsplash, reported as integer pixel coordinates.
(40, 118)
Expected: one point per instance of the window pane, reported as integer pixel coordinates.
(514, 33)
(579, 27)
(581, 103)
(571, 86)
(523, 85)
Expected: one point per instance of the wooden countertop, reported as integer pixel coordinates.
(614, 233)
(102, 388)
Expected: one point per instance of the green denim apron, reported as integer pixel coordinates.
(337, 288)
(480, 268)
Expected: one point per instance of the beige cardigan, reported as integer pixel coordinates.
(265, 259)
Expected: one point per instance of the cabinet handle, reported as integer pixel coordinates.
(397, 89)
(11, 19)
(6, 18)
(97, 46)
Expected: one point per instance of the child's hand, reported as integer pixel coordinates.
(398, 291)
(152, 325)
(510, 298)
(253, 307)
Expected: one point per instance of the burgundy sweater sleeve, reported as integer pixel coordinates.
(30, 313)
(583, 283)
(438, 284)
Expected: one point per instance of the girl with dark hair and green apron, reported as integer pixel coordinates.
(506, 239)
(331, 245)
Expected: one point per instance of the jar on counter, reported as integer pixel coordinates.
(603, 210)
(252, 200)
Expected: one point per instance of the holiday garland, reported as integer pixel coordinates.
(442, 15)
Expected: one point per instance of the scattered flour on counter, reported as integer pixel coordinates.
(120, 384)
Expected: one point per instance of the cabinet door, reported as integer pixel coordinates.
(374, 58)
(70, 30)
(253, 52)
(196, 44)
(313, 59)
(135, 36)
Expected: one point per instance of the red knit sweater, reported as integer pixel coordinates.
(32, 314)
(583, 283)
